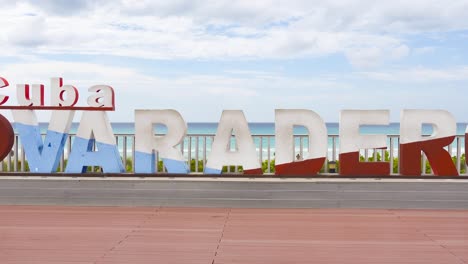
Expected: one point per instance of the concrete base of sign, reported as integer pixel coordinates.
(233, 192)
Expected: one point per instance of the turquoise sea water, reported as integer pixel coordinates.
(269, 129)
(265, 128)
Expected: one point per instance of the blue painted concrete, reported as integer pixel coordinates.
(175, 166)
(144, 162)
(212, 171)
(43, 157)
(82, 155)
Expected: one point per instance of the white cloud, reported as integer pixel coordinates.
(367, 32)
(197, 96)
(424, 50)
(364, 58)
(202, 97)
(399, 52)
(28, 32)
(419, 74)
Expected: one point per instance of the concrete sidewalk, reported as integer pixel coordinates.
(144, 235)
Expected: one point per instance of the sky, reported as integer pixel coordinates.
(200, 57)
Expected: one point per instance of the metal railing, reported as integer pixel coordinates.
(196, 148)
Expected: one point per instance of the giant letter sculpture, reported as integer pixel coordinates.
(147, 143)
(245, 154)
(351, 142)
(311, 162)
(43, 156)
(412, 142)
(94, 128)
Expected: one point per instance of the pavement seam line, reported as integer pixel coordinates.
(222, 235)
(132, 230)
(431, 239)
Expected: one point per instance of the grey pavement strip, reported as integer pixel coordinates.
(236, 192)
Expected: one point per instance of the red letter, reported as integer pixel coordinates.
(3, 83)
(30, 96)
(412, 142)
(7, 137)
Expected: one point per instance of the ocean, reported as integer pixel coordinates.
(265, 129)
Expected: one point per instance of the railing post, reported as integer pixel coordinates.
(260, 150)
(334, 148)
(9, 162)
(301, 150)
(269, 155)
(204, 152)
(189, 153)
(62, 160)
(459, 154)
(124, 154)
(23, 160)
(197, 149)
(133, 153)
(156, 160)
(424, 164)
(398, 155)
(15, 166)
(390, 149)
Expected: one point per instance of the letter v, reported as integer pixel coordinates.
(43, 156)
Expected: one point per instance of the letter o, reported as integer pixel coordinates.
(7, 137)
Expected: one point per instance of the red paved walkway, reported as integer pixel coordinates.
(38, 234)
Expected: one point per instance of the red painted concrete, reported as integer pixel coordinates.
(304, 167)
(40, 234)
(350, 165)
(440, 160)
(254, 171)
(7, 137)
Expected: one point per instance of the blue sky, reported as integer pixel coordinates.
(202, 57)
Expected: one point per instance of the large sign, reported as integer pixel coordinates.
(43, 155)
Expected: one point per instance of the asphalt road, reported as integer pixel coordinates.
(236, 193)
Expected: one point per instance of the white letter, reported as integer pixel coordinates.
(443, 123)
(146, 144)
(103, 97)
(220, 155)
(312, 162)
(58, 92)
(27, 96)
